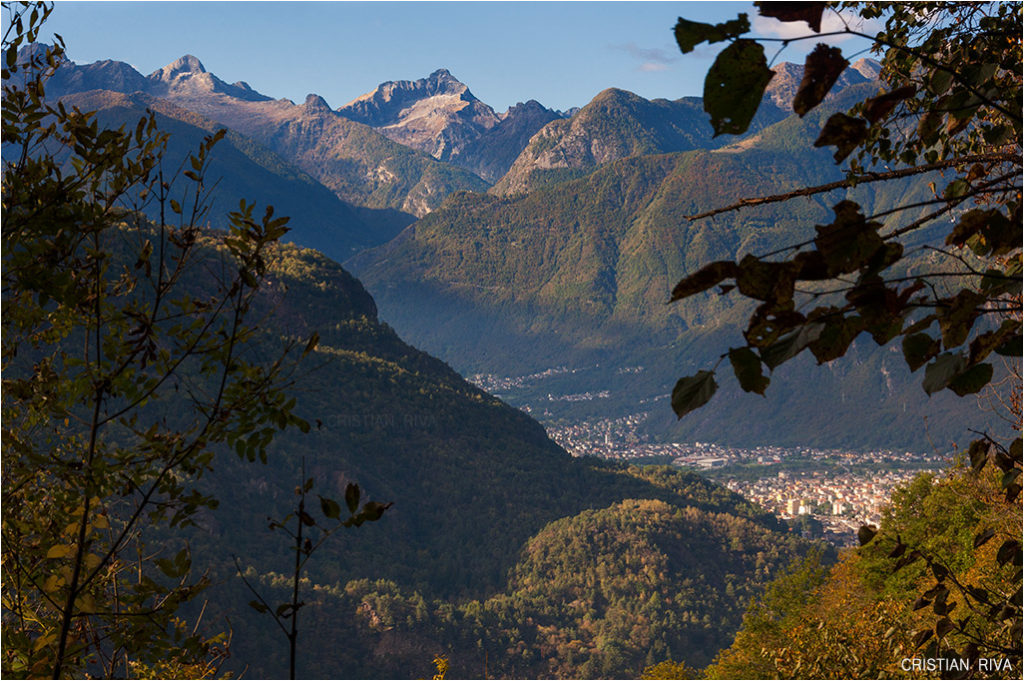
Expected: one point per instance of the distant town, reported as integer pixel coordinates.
(826, 493)
(832, 492)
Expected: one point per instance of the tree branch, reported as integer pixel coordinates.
(866, 178)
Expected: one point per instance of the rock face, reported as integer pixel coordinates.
(186, 78)
(784, 85)
(437, 114)
(492, 154)
(440, 116)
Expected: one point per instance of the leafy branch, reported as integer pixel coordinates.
(286, 615)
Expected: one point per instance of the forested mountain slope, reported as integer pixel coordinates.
(617, 124)
(579, 273)
(472, 480)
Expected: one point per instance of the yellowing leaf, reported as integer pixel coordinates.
(44, 641)
(60, 551)
(86, 604)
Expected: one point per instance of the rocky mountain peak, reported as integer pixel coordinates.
(437, 114)
(182, 65)
(443, 75)
(784, 84)
(385, 103)
(869, 68)
(315, 102)
(529, 108)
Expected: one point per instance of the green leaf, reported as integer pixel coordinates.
(352, 497)
(821, 70)
(373, 510)
(940, 81)
(835, 338)
(747, 367)
(995, 232)
(850, 242)
(984, 344)
(734, 86)
(693, 392)
(790, 346)
(978, 453)
(330, 508)
(943, 627)
(972, 380)
(943, 370)
(843, 132)
(1010, 550)
(314, 340)
(689, 34)
(794, 11)
(306, 519)
(706, 277)
(866, 533)
(956, 189)
(918, 349)
(1011, 348)
(258, 607)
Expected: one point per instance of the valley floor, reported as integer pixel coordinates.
(826, 493)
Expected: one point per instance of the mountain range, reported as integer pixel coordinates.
(561, 234)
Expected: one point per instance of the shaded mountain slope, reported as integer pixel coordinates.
(596, 595)
(243, 169)
(359, 165)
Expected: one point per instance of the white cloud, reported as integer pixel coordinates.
(651, 58)
(830, 22)
(653, 66)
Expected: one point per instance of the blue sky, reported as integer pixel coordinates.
(559, 53)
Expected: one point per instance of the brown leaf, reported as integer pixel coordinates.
(821, 70)
(706, 277)
(794, 11)
(877, 108)
(844, 132)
